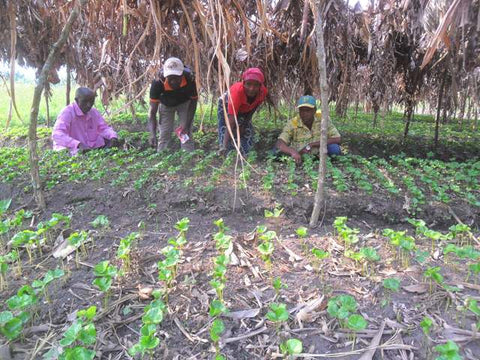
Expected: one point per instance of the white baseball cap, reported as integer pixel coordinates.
(173, 66)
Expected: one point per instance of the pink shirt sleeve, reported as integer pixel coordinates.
(104, 129)
(61, 139)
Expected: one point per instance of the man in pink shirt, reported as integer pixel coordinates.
(81, 127)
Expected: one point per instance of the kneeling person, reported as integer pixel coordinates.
(81, 127)
(301, 135)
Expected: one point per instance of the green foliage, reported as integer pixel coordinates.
(104, 273)
(320, 254)
(278, 313)
(101, 221)
(125, 248)
(433, 273)
(391, 284)
(291, 347)
(302, 231)
(426, 324)
(216, 330)
(275, 214)
(278, 285)
(356, 322)
(152, 316)
(342, 306)
(448, 351)
(348, 235)
(4, 205)
(80, 335)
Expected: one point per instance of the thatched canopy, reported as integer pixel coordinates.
(375, 54)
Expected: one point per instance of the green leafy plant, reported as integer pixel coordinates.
(266, 248)
(448, 351)
(79, 336)
(216, 330)
(278, 314)
(101, 221)
(105, 273)
(42, 284)
(426, 324)
(403, 243)
(391, 285)
(275, 214)
(319, 255)
(124, 250)
(278, 285)
(4, 206)
(152, 316)
(348, 235)
(291, 347)
(433, 274)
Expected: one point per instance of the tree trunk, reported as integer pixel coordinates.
(13, 45)
(69, 85)
(439, 106)
(41, 81)
(375, 115)
(322, 167)
(48, 108)
(409, 119)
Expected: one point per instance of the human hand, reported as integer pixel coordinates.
(306, 150)
(296, 156)
(113, 142)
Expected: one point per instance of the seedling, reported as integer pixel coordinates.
(219, 274)
(5, 260)
(101, 221)
(81, 334)
(42, 285)
(216, 330)
(78, 240)
(348, 235)
(266, 248)
(125, 248)
(369, 256)
(302, 233)
(475, 269)
(356, 323)
(104, 273)
(4, 205)
(153, 315)
(291, 347)
(391, 285)
(167, 268)
(278, 314)
(319, 255)
(426, 324)
(275, 214)
(433, 273)
(448, 351)
(278, 285)
(403, 243)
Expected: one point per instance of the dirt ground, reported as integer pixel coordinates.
(184, 332)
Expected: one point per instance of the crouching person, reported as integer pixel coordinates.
(301, 135)
(80, 127)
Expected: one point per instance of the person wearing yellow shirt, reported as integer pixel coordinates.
(301, 135)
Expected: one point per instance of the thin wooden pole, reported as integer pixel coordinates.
(322, 167)
(41, 81)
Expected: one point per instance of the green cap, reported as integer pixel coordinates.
(307, 101)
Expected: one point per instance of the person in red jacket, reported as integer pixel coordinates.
(240, 102)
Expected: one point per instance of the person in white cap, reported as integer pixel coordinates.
(174, 92)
